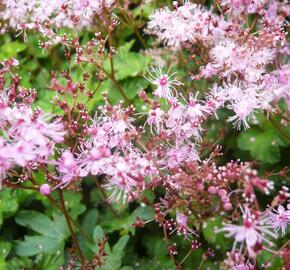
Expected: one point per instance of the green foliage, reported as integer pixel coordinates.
(263, 142)
(125, 221)
(265, 257)
(11, 49)
(127, 63)
(217, 240)
(8, 204)
(51, 238)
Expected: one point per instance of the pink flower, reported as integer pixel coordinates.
(182, 227)
(155, 118)
(244, 112)
(176, 113)
(279, 219)
(68, 168)
(45, 189)
(251, 232)
(94, 160)
(123, 181)
(22, 152)
(187, 24)
(178, 155)
(243, 267)
(164, 83)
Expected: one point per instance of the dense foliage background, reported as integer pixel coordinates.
(34, 233)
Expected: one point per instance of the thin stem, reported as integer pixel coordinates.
(115, 82)
(104, 198)
(15, 186)
(63, 210)
(251, 29)
(53, 201)
(167, 244)
(186, 256)
(131, 23)
(74, 238)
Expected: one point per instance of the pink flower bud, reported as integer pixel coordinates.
(212, 190)
(45, 189)
(222, 192)
(199, 187)
(227, 206)
(105, 152)
(95, 154)
(225, 199)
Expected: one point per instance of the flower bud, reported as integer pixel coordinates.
(45, 189)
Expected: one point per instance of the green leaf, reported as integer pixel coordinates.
(8, 204)
(98, 233)
(132, 86)
(50, 262)
(126, 63)
(11, 49)
(52, 238)
(217, 240)
(114, 259)
(126, 221)
(90, 221)
(33, 245)
(264, 145)
(265, 256)
(87, 243)
(39, 223)
(19, 263)
(5, 248)
(73, 203)
(156, 247)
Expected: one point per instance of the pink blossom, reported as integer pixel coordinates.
(251, 232)
(176, 156)
(164, 83)
(243, 267)
(155, 118)
(23, 152)
(182, 226)
(279, 219)
(45, 189)
(68, 168)
(94, 160)
(189, 23)
(59, 12)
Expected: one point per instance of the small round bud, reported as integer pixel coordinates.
(228, 206)
(45, 189)
(200, 187)
(212, 190)
(222, 192)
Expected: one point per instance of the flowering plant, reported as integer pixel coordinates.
(125, 119)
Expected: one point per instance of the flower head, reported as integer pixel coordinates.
(279, 218)
(251, 232)
(164, 83)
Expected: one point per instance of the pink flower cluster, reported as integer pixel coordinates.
(244, 63)
(108, 150)
(60, 13)
(28, 136)
(181, 123)
(166, 146)
(186, 25)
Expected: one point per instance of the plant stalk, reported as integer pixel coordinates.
(74, 238)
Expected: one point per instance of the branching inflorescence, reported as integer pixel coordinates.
(244, 63)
